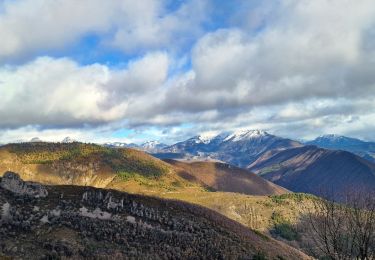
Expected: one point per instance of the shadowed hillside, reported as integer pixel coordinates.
(85, 222)
(225, 177)
(314, 170)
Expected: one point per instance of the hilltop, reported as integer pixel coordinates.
(89, 164)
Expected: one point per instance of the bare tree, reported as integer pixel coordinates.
(344, 230)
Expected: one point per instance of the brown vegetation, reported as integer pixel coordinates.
(224, 177)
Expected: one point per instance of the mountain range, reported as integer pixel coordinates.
(149, 146)
(240, 148)
(329, 162)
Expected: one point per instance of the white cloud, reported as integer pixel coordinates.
(60, 93)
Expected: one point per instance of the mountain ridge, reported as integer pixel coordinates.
(339, 142)
(316, 170)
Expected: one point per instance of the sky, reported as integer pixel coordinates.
(131, 71)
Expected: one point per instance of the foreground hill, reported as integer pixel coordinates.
(83, 222)
(338, 142)
(239, 148)
(315, 170)
(224, 177)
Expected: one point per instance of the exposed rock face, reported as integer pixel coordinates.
(11, 181)
(75, 222)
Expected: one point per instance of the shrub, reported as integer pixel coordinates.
(284, 228)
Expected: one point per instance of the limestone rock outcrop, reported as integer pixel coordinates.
(11, 181)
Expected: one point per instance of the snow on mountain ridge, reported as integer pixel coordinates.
(234, 136)
(151, 145)
(206, 137)
(245, 135)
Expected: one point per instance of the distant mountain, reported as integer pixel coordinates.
(150, 146)
(339, 142)
(239, 148)
(316, 170)
(121, 145)
(224, 177)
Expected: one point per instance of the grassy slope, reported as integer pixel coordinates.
(88, 164)
(224, 177)
(253, 211)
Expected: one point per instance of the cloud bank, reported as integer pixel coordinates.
(297, 68)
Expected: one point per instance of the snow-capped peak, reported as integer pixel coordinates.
(206, 137)
(239, 135)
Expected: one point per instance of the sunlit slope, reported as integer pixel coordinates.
(89, 165)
